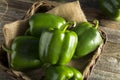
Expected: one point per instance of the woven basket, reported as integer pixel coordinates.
(85, 64)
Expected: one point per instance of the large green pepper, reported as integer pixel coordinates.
(89, 38)
(24, 53)
(57, 47)
(42, 21)
(110, 8)
(62, 73)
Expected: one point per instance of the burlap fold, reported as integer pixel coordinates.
(70, 11)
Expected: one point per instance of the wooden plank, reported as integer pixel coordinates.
(107, 68)
(8, 75)
(113, 35)
(103, 75)
(13, 14)
(110, 58)
(20, 4)
(109, 23)
(16, 10)
(108, 64)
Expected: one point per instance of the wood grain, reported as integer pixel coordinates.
(107, 66)
(16, 10)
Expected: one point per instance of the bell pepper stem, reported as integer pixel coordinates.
(96, 22)
(72, 23)
(6, 49)
(68, 24)
(27, 31)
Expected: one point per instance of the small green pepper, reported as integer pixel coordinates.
(42, 21)
(24, 53)
(110, 8)
(89, 38)
(62, 73)
(57, 47)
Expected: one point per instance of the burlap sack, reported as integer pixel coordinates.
(70, 11)
(14, 29)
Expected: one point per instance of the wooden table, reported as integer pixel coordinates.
(107, 66)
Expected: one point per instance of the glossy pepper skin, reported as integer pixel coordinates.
(57, 47)
(24, 53)
(110, 8)
(42, 21)
(62, 73)
(89, 38)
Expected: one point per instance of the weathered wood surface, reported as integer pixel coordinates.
(107, 66)
(16, 10)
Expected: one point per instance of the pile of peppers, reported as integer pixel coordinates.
(50, 41)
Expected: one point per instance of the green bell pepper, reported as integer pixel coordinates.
(42, 21)
(62, 73)
(89, 38)
(110, 8)
(57, 47)
(24, 53)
